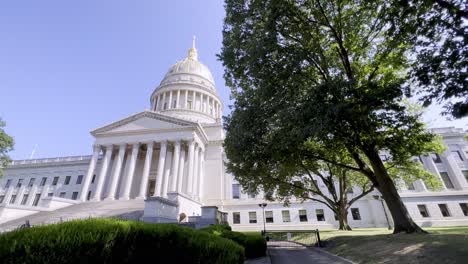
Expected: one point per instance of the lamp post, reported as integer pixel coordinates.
(378, 197)
(263, 205)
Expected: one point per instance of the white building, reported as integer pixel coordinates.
(170, 160)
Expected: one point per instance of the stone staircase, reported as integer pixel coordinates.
(131, 210)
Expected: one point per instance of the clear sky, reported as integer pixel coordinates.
(67, 67)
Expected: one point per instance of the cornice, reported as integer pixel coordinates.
(146, 113)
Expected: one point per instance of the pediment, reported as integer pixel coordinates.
(143, 121)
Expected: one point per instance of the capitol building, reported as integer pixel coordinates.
(166, 164)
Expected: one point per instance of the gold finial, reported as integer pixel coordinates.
(192, 53)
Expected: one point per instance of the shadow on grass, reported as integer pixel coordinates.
(436, 247)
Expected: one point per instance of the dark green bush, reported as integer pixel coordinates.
(254, 244)
(116, 241)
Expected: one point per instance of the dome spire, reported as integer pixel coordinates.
(192, 53)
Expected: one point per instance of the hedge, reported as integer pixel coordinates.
(254, 244)
(116, 241)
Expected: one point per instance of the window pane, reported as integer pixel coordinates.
(252, 217)
(74, 195)
(55, 181)
(286, 216)
(457, 155)
(36, 199)
(79, 179)
(20, 183)
(235, 191)
(62, 194)
(465, 172)
(67, 180)
(25, 199)
(436, 158)
(8, 183)
(269, 216)
(2, 197)
(320, 215)
(464, 207)
(50, 194)
(446, 179)
(31, 182)
(355, 213)
(236, 218)
(13, 199)
(43, 181)
(444, 210)
(423, 210)
(303, 215)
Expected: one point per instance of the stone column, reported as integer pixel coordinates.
(201, 173)
(163, 101)
(453, 170)
(180, 177)
(90, 173)
(175, 166)
(170, 100)
(117, 171)
(178, 99)
(158, 106)
(185, 99)
(20, 193)
(430, 165)
(130, 172)
(159, 176)
(32, 193)
(167, 172)
(102, 175)
(190, 167)
(146, 170)
(195, 171)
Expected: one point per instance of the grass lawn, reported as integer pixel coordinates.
(378, 245)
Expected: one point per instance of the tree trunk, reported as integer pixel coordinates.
(343, 219)
(401, 218)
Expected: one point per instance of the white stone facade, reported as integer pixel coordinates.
(171, 158)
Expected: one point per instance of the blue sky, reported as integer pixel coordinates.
(67, 67)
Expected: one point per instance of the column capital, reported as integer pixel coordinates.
(163, 142)
(96, 147)
(109, 146)
(177, 142)
(136, 145)
(122, 145)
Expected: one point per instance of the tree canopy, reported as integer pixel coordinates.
(316, 76)
(6, 145)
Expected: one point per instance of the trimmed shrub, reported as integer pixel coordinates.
(254, 244)
(116, 241)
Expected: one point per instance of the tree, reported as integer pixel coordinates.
(324, 72)
(439, 70)
(6, 145)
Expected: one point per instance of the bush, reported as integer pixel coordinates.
(254, 244)
(116, 241)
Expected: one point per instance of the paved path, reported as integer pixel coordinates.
(293, 254)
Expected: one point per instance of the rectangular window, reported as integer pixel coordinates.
(465, 173)
(50, 194)
(2, 197)
(302, 215)
(8, 183)
(463, 206)
(67, 180)
(423, 210)
(253, 217)
(436, 158)
(74, 195)
(55, 181)
(89, 196)
(457, 155)
(20, 183)
(444, 210)
(25, 199)
(355, 213)
(269, 217)
(79, 179)
(13, 199)
(320, 214)
(446, 179)
(43, 181)
(236, 218)
(36, 199)
(62, 194)
(235, 191)
(31, 182)
(94, 178)
(286, 216)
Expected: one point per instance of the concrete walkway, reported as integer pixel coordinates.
(292, 253)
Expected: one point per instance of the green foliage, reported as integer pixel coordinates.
(254, 244)
(319, 80)
(116, 241)
(6, 145)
